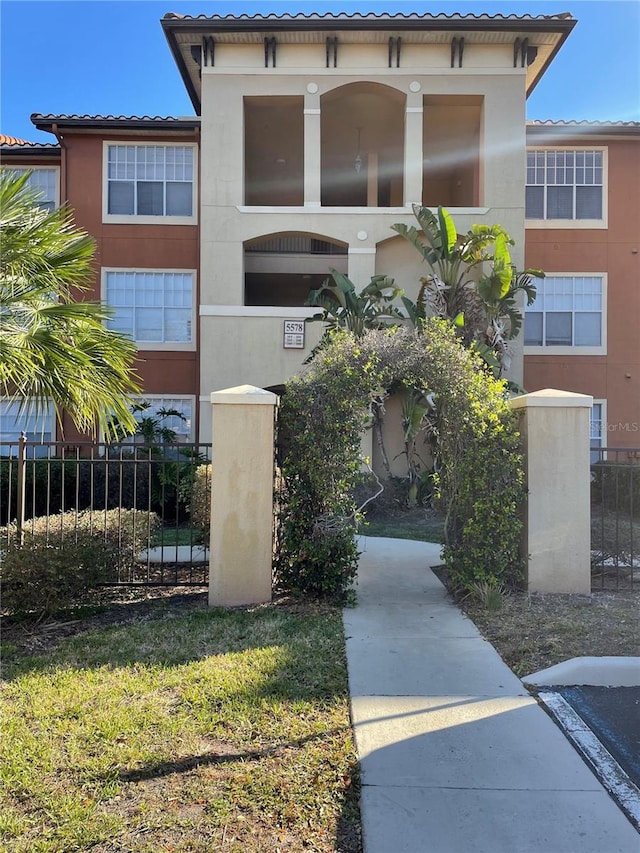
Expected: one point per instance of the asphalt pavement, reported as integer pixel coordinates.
(613, 714)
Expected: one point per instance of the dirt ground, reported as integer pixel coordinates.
(532, 632)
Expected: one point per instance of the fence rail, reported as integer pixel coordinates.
(615, 518)
(149, 498)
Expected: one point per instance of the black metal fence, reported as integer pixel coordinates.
(615, 518)
(152, 501)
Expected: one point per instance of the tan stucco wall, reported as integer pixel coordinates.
(393, 440)
(249, 349)
(557, 515)
(241, 497)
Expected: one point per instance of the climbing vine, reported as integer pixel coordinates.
(475, 443)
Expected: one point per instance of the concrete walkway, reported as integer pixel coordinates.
(456, 756)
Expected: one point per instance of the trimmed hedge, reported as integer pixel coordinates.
(200, 506)
(65, 555)
(616, 485)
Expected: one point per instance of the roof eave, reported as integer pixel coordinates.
(172, 25)
(47, 123)
(564, 36)
(182, 68)
(551, 133)
(31, 150)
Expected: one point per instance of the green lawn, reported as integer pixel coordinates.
(169, 536)
(406, 527)
(187, 731)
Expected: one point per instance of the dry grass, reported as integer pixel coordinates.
(160, 725)
(532, 632)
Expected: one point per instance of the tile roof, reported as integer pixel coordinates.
(22, 145)
(581, 123)
(120, 124)
(12, 140)
(85, 118)
(548, 130)
(369, 16)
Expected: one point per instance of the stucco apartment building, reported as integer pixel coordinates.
(312, 136)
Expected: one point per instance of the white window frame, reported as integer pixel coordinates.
(135, 219)
(173, 398)
(573, 223)
(603, 427)
(20, 170)
(176, 346)
(574, 350)
(46, 424)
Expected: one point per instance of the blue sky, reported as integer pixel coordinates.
(100, 57)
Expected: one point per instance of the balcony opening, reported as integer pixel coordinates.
(274, 151)
(451, 151)
(281, 269)
(362, 127)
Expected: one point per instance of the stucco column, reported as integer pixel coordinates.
(413, 149)
(312, 150)
(362, 265)
(557, 522)
(241, 545)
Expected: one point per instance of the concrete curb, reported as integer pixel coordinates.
(612, 776)
(592, 671)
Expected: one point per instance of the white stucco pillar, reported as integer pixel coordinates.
(362, 265)
(557, 521)
(312, 150)
(413, 149)
(241, 545)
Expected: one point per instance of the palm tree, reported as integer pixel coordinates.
(53, 346)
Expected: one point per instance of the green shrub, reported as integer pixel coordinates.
(64, 555)
(616, 485)
(323, 414)
(45, 579)
(50, 487)
(200, 502)
(479, 482)
(114, 482)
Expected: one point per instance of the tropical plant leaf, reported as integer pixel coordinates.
(412, 235)
(448, 234)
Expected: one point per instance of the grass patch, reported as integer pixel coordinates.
(169, 536)
(179, 728)
(410, 526)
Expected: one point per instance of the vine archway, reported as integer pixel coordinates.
(480, 479)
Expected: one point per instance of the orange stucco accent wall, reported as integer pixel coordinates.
(614, 377)
(133, 246)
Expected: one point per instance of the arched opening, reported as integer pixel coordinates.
(362, 128)
(281, 269)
